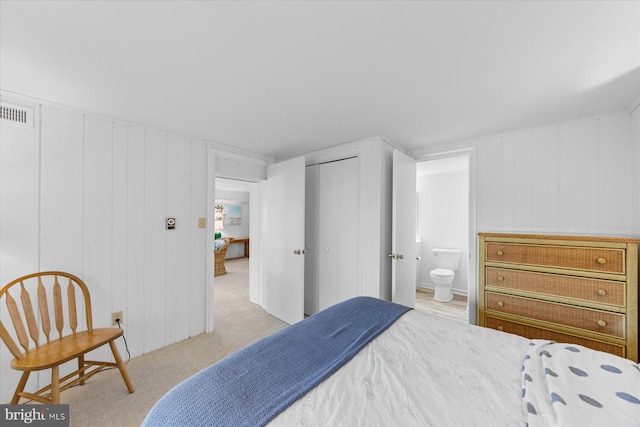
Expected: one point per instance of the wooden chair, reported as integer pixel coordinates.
(219, 254)
(46, 349)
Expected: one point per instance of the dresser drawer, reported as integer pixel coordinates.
(533, 332)
(570, 257)
(583, 318)
(608, 292)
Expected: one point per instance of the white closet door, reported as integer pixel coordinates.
(338, 230)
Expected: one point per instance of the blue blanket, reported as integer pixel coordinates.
(253, 385)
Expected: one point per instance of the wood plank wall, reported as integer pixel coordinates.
(90, 195)
(574, 178)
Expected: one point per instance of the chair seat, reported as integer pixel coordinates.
(63, 350)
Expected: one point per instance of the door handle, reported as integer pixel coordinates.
(299, 252)
(396, 256)
(400, 256)
(392, 256)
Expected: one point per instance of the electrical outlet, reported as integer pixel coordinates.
(116, 317)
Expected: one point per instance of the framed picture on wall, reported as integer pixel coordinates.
(232, 215)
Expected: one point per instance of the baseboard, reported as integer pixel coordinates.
(454, 291)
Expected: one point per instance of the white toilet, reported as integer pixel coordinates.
(447, 261)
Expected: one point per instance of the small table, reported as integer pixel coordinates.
(244, 240)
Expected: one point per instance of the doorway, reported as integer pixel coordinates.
(233, 219)
(443, 221)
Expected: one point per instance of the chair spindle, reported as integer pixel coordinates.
(73, 314)
(57, 306)
(17, 322)
(29, 315)
(44, 310)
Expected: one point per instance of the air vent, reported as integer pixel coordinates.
(17, 115)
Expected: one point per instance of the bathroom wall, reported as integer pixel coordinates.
(443, 218)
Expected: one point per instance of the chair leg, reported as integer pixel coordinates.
(20, 388)
(81, 368)
(123, 370)
(55, 385)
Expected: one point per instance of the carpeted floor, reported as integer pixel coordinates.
(104, 400)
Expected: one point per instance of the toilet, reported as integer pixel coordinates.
(447, 261)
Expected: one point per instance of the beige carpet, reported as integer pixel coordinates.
(104, 400)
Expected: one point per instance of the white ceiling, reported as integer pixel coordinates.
(284, 78)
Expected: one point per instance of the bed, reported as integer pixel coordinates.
(374, 363)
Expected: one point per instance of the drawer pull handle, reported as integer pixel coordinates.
(500, 252)
(602, 323)
(500, 328)
(602, 292)
(601, 261)
(500, 304)
(500, 278)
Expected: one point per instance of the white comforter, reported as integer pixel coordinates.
(422, 371)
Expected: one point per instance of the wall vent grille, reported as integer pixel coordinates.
(16, 115)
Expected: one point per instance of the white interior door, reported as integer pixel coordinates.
(283, 240)
(403, 251)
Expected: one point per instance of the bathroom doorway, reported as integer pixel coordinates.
(443, 221)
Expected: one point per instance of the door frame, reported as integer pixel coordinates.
(255, 209)
(472, 293)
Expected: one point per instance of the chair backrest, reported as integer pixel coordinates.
(224, 246)
(34, 321)
(221, 252)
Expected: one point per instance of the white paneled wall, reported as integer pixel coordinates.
(90, 195)
(573, 178)
(20, 177)
(578, 177)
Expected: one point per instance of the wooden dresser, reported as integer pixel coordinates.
(577, 289)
